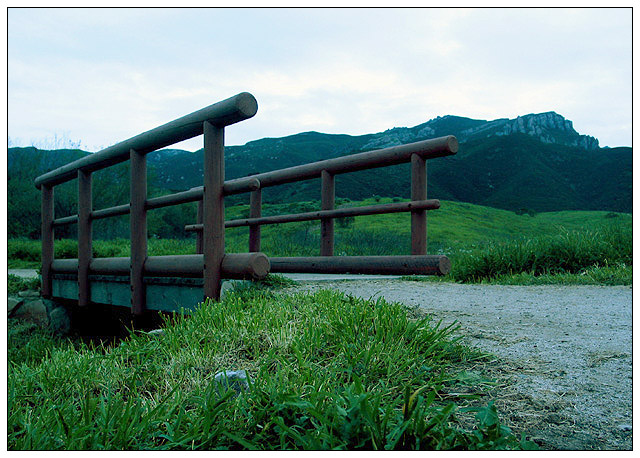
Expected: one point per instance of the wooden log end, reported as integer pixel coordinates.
(253, 184)
(444, 266)
(245, 265)
(452, 144)
(260, 266)
(247, 104)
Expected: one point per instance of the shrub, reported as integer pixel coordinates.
(567, 252)
(26, 250)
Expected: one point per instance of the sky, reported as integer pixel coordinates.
(94, 77)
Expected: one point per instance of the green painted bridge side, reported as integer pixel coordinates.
(167, 294)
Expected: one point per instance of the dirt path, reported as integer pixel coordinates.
(565, 349)
(24, 273)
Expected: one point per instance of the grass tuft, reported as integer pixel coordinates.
(570, 252)
(16, 284)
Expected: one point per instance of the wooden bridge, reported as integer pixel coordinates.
(171, 282)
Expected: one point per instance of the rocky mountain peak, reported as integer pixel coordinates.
(548, 127)
(550, 120)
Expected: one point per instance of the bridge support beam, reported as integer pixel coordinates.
(255, 211)
(418, 217)
(85, 243)
(213, 209)
(244, 266)
(199, 234)
(328, 196)
(138, 225)
(46, 230)
(375, 265)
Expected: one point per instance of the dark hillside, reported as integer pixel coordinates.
(536, 162)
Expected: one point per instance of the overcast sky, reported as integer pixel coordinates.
(102, 76)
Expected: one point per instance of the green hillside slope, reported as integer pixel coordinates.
(535, 162)
(454, 226)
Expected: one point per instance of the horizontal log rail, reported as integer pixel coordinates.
(191, 195)
(96, 214)
(234, 265)
(433, 148)
(432, 204)
(388, 265)
(427, 149)
(73, 219)
(111, 211)
(224, 113)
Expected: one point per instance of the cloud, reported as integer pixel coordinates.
(104, 76)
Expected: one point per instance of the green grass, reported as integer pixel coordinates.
(591, 257)
(16, 284)
(272, 281)
(562, 254)
(618, 275)
(609, 276)
(462, 225)
(327, 371)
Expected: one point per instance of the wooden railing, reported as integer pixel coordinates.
(416, 153)
(210, 261)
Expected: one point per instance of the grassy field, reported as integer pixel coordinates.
(454, 227)
(327, 371)
(484, 244)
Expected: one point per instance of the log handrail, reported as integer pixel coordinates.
(210, 122)
(230, 111)
(183, 197)
(234, 265)
(381, 209)
(427, 149)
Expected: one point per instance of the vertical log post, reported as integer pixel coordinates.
(138, 227)
(46, 231)
(199, 233)
(328, 196)
(418, 217)
(84, 236)
(255, 211)
(213, 209)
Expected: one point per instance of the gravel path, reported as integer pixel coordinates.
(24, 273)
(566, 349)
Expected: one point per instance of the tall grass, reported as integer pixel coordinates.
(327, 371)
(30, 250)
(567, 252)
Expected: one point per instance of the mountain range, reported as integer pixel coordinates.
(536, 162)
